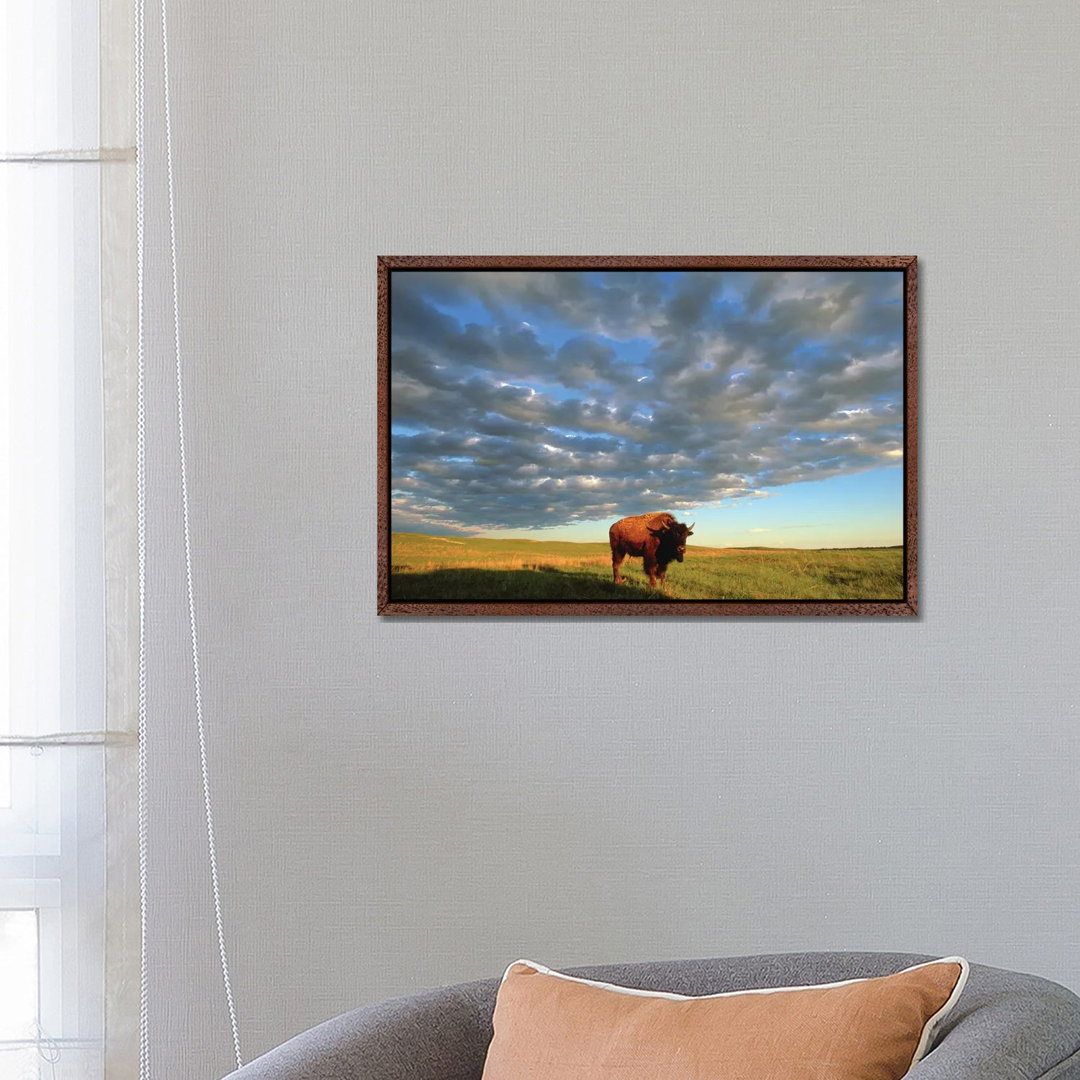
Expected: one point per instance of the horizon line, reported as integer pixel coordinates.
(462, 538)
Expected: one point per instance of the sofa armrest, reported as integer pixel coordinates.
(440, 1034)
(1007, 1026)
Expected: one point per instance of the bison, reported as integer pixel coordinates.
(658, 538)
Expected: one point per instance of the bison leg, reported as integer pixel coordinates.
(650, 569)
(616, 561)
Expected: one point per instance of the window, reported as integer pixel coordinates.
(52, 577)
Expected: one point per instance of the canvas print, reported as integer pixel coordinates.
(646, 436)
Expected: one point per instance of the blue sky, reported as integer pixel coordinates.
(765, 406)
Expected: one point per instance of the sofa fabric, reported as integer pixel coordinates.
(1006, 1026)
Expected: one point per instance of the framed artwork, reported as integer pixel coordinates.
(647, 436)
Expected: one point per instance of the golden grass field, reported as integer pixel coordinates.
(427, 568)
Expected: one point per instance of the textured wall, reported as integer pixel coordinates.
(413, 802)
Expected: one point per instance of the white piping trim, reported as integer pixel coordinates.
(932, 1024)
(925, 1039)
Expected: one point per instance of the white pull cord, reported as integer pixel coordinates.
(207, 804)
(140, 454)
(140, 94)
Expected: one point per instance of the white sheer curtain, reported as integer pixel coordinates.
(54, 201)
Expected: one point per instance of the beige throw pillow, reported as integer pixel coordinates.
(550, 1026)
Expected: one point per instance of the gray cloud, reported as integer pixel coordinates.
(534, 399)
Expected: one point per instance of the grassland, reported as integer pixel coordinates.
(468, 569)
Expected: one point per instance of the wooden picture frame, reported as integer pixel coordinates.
(482, 445)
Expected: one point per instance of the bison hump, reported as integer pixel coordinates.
(659, 521)
(646, 521)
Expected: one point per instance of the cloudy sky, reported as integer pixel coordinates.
(767, 406)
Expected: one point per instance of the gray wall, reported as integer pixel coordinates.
(409, 803)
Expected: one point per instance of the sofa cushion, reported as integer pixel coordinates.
(552, 1026)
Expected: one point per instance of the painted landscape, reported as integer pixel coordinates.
(744, 428)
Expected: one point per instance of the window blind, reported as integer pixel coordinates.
(62, 251)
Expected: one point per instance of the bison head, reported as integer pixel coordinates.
(672, 537)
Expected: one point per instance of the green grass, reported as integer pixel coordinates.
(466, 569)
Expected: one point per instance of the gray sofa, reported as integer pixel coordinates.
(1005, 1026)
